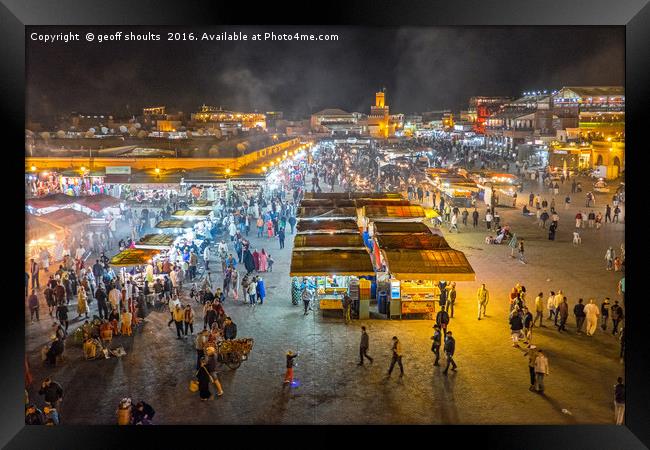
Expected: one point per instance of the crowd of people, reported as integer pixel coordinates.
(183, 283)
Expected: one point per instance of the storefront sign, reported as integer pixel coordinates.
(118, 170)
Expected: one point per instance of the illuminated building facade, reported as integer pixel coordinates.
(335, 121)
(591, 112)
(480, 108)
(213, 117)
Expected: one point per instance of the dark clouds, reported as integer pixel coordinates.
(422, 69)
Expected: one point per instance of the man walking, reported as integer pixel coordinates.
(532, 356)
(619, 401)
(563, 311)
(347, 308)
(281, 236)
(475, 218)
(591, 314)
(617, 316)
(206, 258)
(452, 299)
(550, 304)
(363, 347)
(528, 325)
(442, 319)
(437, 341)
(539, 309)
(396, 348)
(604, 312)
(483, 296)
(516, 327)
(450, 349)
(541, 370)
(557, 300)
(32, 302)
(579, 312)
(33, 270)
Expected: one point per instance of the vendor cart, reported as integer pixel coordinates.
(233, 352)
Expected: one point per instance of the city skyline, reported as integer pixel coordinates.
(421, 69)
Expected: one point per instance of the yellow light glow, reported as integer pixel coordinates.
(271, 164)
(33, 168)
(227, 170)
(264, 169)
(51, 236)
(83, 168)
(157, 170)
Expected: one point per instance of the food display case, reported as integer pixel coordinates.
(419, 297)
(330, 291)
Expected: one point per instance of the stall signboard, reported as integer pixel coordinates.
(118, 170)
(394, 289)
(417, 307)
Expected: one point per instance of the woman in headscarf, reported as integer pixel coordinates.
(263, 261)
(256, 260)
(249, 261)
(205, 379)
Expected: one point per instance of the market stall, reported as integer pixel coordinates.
(326, 213)
(174, 224)
(48, 203)
(391, 227)
(496, 184)
(67, 218)
(192, 214)
(411, 213)
(134, 257)
(327, 226)
(346, 241)
(202, 205)
(40, 235)
(334, 272)
(352, 195)
(327, 203)
(156, 241)
(99, 204)
(416, 275)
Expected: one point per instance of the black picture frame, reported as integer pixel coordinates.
(634, 15)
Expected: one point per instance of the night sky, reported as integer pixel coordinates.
(422, 69)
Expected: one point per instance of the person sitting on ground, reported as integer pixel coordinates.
(142, 414)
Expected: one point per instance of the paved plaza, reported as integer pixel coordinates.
(490, 386)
